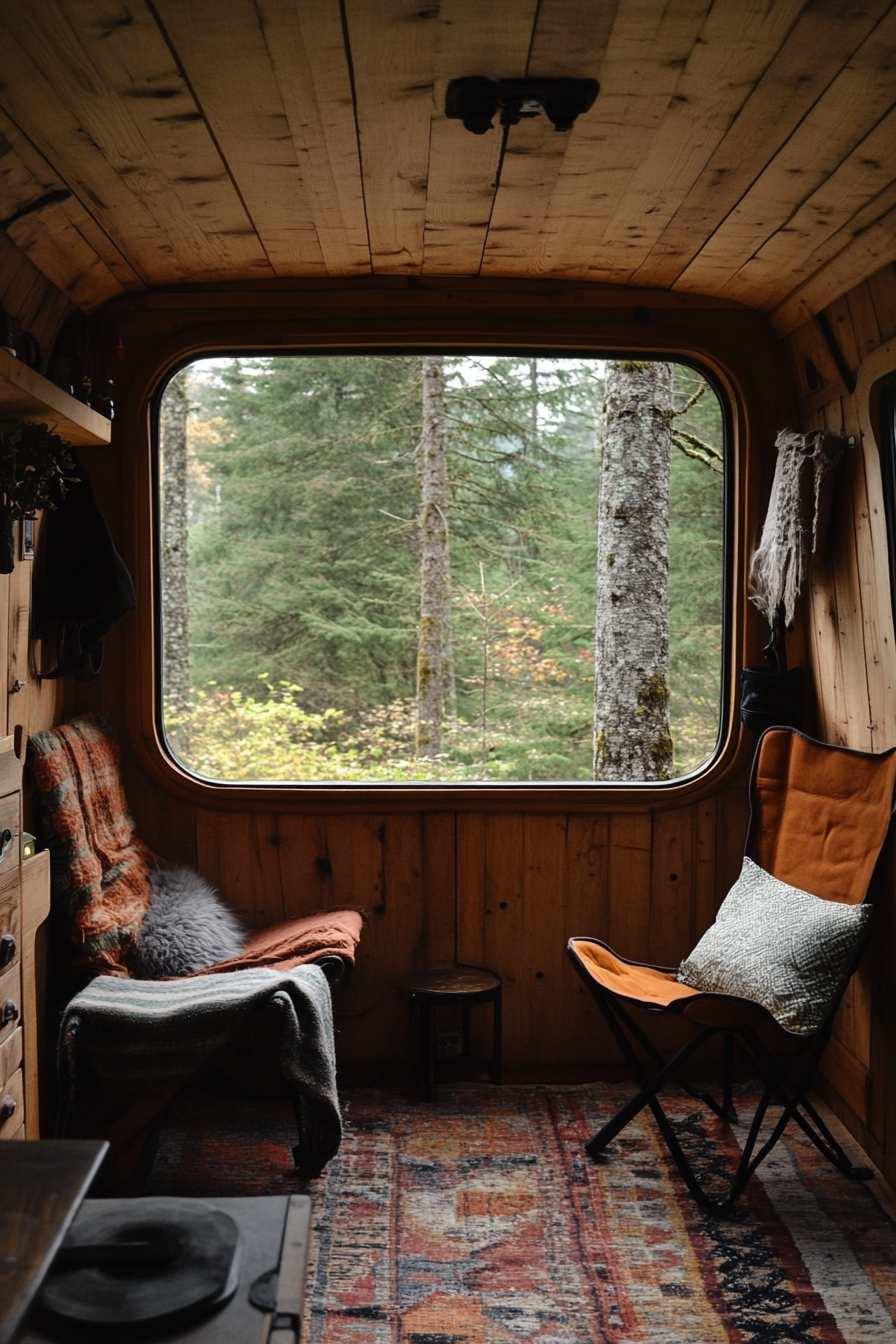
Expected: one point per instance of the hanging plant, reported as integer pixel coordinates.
(36, 468)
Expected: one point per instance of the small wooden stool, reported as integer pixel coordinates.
(463, 987)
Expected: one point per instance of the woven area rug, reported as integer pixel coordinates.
(480, 1220)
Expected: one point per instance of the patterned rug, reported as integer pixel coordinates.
(480, 1220)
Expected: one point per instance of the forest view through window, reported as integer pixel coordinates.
(447, 568)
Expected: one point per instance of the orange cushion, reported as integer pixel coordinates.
(641, 984)
(297, 941)
(820, 814)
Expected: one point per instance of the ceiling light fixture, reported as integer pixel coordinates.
(475, 100)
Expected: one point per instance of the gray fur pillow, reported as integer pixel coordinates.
(186, 928)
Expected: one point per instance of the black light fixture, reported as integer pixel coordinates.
(475, 100)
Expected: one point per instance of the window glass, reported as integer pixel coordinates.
(440, 568)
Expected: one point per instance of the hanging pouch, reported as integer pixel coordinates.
(772, 697)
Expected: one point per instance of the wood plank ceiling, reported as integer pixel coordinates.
(738, 148)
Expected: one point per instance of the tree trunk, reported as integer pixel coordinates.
(434, 654)
(632, 740)
(175, 591)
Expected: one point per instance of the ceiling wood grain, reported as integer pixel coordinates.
(738, 148)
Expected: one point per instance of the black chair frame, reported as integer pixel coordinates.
(790, 1094)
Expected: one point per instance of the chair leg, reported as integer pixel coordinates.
(811, 1122)
(647, 1096)
(728, 1110)
(429, 1028)
(649, 1087)
(723, 1111)
(496, 1044)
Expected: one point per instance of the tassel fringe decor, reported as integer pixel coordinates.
(796, 522)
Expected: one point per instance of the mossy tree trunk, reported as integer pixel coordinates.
(632, 740)
(434, 650)
(175, 521)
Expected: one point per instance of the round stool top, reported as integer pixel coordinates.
(458, 980)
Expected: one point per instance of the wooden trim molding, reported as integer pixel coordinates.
(164, 330)
(872, 369)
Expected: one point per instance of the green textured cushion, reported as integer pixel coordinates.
(778, 946)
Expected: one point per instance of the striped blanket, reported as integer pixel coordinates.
(144, 1037)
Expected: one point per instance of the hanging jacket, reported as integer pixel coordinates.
(81, 581)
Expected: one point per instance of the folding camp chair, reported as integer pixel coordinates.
(820, 816)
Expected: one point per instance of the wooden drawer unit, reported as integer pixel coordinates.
(24, 905)
(11, 1055)
(10, 922)
(10, 1001)
(10, 834)
(12, 1105)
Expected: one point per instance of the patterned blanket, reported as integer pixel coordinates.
(143, 1037)
(100, 868)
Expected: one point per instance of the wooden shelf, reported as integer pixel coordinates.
(26, 395)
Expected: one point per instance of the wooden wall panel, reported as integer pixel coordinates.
(852, 653)
(520, 886)
(499, 879)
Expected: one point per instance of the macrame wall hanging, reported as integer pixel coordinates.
(794, 531)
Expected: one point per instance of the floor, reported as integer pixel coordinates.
(480, 1219)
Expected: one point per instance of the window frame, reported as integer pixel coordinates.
(732, 345)
(478, 785)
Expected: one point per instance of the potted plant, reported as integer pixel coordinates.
(36, 467)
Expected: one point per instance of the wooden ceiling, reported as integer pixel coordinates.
(738, 148)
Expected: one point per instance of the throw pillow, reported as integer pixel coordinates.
(186, 928)
(780, 947)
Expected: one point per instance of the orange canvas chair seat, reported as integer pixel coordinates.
(820, 816)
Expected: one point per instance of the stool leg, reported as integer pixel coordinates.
(465, 1031)
(430, 1053)
(496, 1048)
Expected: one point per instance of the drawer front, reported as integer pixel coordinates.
(10, 834)
(11, 1055)
(10, 920)
(12, 1105)
(10, 1001)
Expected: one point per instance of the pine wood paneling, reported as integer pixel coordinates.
(393, 47)
(229, 70)
(29, 297)
(736, 147)
(463, 168)
(655, 39)
(48, 237)
(93, 144)
(853, 663)
(569, 40)
(499, 879)
(736, 44)
(801, 72)
(75, 230)
(859, 96)
(310, 63)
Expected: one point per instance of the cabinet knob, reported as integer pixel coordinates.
(7, 949)
(7, 1108)
(10, 1013)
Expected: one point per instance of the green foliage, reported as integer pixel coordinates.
(303, 560)
(36, 468)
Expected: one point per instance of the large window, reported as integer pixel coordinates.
(453, 568)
